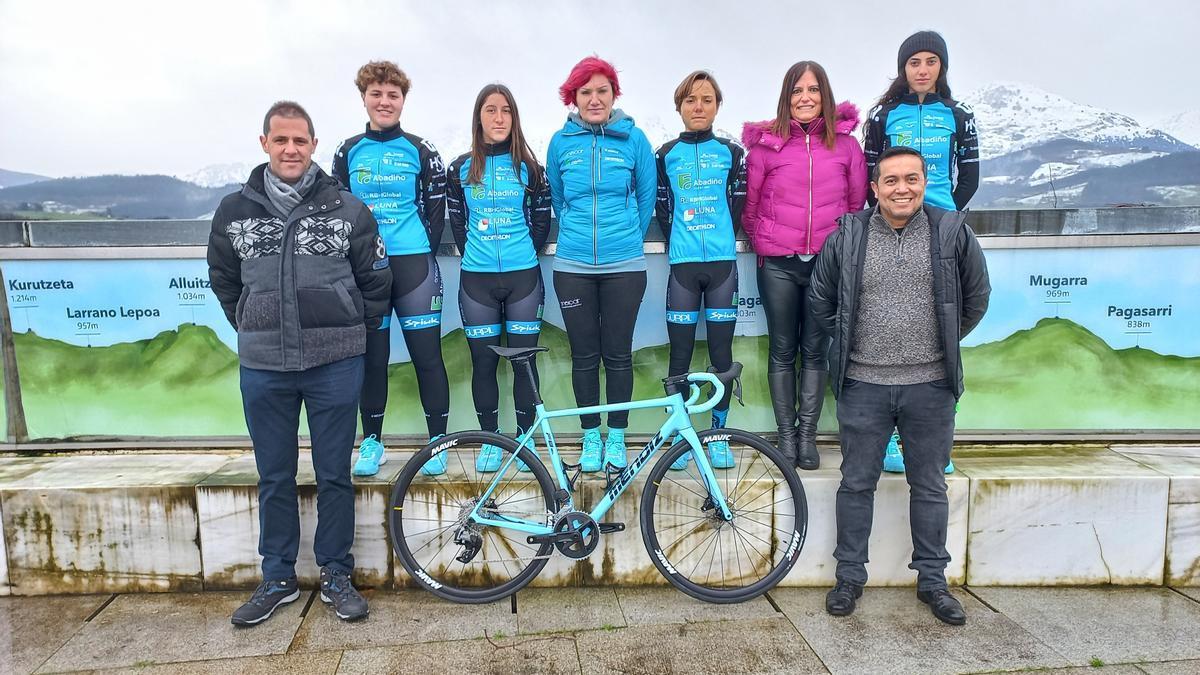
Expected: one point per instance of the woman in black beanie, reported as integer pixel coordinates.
(918, 111)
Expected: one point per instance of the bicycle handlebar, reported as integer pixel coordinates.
(717, 394)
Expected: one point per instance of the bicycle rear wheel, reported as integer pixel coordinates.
(712, 559)
(446, 552)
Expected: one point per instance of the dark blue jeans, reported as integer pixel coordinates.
(924, 414)
(272, 401)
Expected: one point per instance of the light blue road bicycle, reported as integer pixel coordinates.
(720, 535)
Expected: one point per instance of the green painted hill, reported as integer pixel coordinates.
(184, 382)
(1059, 375)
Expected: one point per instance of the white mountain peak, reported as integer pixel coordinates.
(1013, 116)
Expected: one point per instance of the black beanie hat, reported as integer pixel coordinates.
(924, 41)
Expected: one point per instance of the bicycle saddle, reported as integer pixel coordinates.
(517, 352)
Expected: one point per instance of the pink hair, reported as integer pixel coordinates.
(582, 72)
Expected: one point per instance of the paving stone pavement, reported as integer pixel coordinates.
(1113, 631)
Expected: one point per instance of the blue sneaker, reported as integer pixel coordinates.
(489, 459)
(719, 454)
(893, 459)
(949, 467)
(436, 465)
(615, 452)
(370, 455)
(589, 459)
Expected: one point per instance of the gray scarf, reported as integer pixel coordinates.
(284, 196)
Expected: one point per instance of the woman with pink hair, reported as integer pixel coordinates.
(602, 178)
(803, 171)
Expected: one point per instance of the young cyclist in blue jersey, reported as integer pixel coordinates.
(602, 182)
(918, 111)
(402, 180)
(701, 191)
(499, 209)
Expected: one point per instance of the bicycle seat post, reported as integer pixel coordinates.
(527, 367)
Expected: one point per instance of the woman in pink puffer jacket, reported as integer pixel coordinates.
(804, 171)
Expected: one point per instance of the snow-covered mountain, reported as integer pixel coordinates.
(1013, 117)
(1185, 126)
(220, 175)
(1040, 149)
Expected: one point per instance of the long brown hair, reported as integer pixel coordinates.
(782, 127)
(520, 149)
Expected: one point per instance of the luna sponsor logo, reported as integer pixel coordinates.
(483, 224)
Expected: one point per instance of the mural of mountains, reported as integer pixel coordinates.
(137, 197)
(184, 382)
(1040, 150)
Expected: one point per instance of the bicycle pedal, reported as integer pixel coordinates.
(609, 528)
(572, 472)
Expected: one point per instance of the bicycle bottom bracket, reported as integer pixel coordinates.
(576, 535)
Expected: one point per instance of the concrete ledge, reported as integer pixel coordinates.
(227, 507)
(1055, 515)
(103, 523)
(1043, 515)
(1182, 464)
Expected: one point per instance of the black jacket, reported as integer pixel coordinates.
(960, 287)
(301, 291)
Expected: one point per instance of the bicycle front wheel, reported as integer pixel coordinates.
(706, 556)
(441, 547)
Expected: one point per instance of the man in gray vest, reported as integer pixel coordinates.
(897, 286)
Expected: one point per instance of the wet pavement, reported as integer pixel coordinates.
(613, 630)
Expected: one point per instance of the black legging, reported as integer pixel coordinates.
(417, 302)
(713, 285)
(783, 287)
(599, 311)
(492, 303)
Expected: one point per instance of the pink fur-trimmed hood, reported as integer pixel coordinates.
(754, 133)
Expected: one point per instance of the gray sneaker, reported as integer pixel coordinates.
(339, 593)
(269, 596)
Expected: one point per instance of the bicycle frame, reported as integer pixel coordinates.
(678, 421)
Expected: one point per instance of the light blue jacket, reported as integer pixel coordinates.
(602, 185)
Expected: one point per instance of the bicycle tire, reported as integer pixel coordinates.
(668, 491)
(417, 499)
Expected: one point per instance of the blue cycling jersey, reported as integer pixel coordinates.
(701, 190)
(943, 131)
(401, 178)
(501, 222)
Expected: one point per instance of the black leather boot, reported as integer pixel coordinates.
(812, 397)
(783, 399)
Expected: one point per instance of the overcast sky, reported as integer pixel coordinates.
(165, 87)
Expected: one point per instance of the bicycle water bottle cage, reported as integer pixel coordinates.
(572, 472)
(610, 474)
(734, 375)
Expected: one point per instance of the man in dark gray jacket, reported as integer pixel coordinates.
(302, 274)
(897, 286)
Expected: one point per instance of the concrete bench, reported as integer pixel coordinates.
(1023, 515)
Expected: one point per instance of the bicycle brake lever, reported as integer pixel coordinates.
(737, 390)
